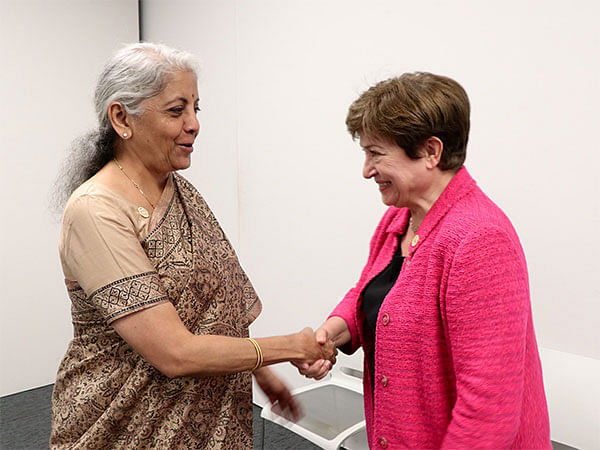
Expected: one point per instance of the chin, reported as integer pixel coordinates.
(181, 163)
(388, 201)
(395, 203)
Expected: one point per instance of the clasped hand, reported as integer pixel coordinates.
(318, 357)
(321, 354)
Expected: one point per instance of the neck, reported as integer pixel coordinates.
(430, 196)
(141, 172)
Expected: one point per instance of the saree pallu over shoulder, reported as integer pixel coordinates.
(108, 396)
(213, 257)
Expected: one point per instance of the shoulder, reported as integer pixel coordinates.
(92, 203)
(475, 224)
(476, 213)
(184, 184)
(189, 193)
(96, 217)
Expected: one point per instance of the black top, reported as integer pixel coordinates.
(373, 296)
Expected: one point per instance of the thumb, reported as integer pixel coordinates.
(321, 335)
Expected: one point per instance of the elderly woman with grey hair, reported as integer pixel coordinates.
(160, 305)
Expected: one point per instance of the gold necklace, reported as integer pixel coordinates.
(134, 183)
(412, 226)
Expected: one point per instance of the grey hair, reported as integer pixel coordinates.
(133, 74)
(136, 73)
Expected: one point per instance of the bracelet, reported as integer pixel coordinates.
(259, 354)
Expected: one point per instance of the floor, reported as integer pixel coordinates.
(25, 424)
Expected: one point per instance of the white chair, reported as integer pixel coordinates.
(333, 412)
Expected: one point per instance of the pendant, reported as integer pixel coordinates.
(415, 240)
(143, 212)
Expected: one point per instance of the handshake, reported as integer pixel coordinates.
(312, 352)
(318, 353)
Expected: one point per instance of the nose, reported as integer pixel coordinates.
(192, 125)
(368, 170)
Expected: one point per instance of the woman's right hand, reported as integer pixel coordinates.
(313, 350)
(333, 330)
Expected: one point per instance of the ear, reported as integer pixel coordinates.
(119, 119)
(433, 148)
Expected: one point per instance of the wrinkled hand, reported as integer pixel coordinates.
(278, 393)
(314, 349)
(321, 367)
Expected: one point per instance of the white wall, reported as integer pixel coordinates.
(281, 74)
(207, 29)
(51, 53)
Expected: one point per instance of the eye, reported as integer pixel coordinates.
(197, 109)
(177, 110)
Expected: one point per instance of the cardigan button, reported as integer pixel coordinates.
(384, 380)
(383, 442)
(385, 319)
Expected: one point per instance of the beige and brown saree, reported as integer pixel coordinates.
(117, 262)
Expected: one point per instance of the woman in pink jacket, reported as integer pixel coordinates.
(442, 308)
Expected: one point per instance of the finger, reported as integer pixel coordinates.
(313, 371)
(284, 400)
(295, 409)
(321, 375)
(288, 404)
(321, 371)
(317, 367)
(302, 366)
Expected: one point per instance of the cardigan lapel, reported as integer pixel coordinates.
(461, 184)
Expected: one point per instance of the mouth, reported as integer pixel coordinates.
(383, 185)
(189, 147)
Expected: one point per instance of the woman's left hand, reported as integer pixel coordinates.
(278, 392)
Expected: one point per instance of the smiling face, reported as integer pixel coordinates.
(163, 136)
(402, 181)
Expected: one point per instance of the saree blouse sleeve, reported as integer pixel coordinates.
(101, 252)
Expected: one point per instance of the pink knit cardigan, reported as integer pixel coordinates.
(456, 359)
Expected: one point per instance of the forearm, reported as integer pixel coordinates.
(160, 337)
(337, 330)
(218, 355)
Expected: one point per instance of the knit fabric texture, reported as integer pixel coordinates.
(456, 359)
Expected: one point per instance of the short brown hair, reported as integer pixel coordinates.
(411, 108)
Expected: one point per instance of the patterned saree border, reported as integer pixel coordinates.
(128, 294)
(138, 307)
(122, 280)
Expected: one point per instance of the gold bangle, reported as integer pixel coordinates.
(259, 354)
